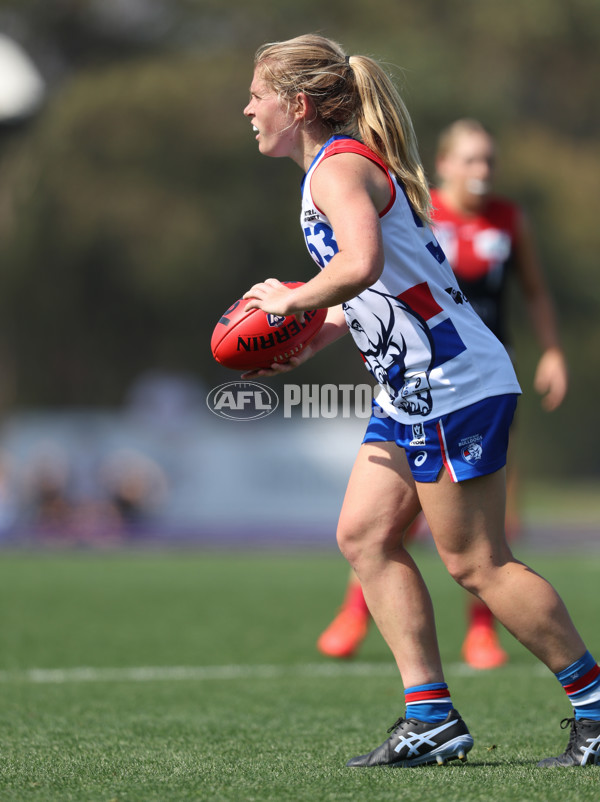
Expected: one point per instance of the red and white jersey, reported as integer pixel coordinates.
(417, 334)
(480, 248)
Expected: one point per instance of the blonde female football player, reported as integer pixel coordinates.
(488, 243)
(438, 436)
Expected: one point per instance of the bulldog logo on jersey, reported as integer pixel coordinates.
(471, 449)
(385, 329)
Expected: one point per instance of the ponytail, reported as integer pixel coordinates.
(352, 96)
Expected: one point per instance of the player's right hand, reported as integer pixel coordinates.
(277, 368)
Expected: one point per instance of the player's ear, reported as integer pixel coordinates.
(303, 107)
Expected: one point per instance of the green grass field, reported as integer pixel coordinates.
(194, 676)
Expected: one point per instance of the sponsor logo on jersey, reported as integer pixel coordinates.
(457, 295)
(492, 245)
(310, 215)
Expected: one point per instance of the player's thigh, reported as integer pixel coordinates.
(381, 495)
(467, 520)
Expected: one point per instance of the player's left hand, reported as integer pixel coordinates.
(551, 378)
(272, 297)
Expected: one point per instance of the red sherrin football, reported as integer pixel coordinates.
(252, 340)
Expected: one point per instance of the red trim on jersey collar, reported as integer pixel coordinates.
(352, 146)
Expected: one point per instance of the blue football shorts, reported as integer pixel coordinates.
(469, 442)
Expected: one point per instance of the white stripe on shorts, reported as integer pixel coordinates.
(445, 456)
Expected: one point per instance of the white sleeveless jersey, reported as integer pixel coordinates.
(418, 335)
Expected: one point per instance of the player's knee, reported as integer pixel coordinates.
(351, 538)
(465, 573)
(477, 570)
(364, 540)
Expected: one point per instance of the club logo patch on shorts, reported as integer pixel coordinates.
(418, 435)
(471, 449)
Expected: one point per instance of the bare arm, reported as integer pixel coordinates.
(350, 190)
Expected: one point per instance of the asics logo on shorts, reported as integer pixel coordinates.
(420, 458)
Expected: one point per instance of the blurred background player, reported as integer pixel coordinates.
(487, 240)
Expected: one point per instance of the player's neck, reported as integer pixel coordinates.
(310, 142)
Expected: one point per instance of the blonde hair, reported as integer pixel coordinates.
(352, 96)
(449, 134)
